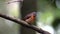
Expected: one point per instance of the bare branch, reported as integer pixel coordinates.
(23, 23)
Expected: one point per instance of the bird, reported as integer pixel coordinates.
(30, 18)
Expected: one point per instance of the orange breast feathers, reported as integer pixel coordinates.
(30, 18)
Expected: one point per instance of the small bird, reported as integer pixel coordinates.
(30, 18)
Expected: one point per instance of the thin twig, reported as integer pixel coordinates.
(23, 23)
(14, 1)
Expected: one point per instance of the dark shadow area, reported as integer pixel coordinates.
(56, 23)
(28, 6)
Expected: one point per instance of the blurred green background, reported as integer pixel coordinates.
(48, 15)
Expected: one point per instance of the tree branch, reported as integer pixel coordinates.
(23, 23)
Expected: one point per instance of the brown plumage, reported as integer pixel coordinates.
(30, 18)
